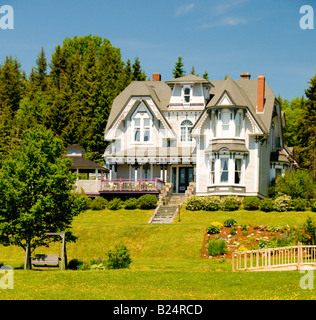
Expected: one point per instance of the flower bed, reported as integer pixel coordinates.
(242, 239)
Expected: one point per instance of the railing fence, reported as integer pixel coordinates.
(272, 258)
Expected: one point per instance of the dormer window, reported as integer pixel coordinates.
(142, 124)
(187, 93)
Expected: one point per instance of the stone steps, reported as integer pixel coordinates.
(166, 212)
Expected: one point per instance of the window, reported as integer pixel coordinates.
(238, 122)
(146, 171)
(137, 130)
(214, 123)
(186, 127)
(224, 170)
(212, 180)
(187, 92)
(142, 127)
(225, 123)
(237, 171)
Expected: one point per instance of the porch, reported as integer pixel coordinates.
(131, 185)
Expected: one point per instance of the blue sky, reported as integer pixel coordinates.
(222, 37)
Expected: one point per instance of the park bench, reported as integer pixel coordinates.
(47, 260)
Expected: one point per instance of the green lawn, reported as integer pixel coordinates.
(166, 263)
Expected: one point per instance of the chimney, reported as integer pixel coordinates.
(156, 77)
(261, 88)
(245, 76)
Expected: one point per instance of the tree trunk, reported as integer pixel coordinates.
(27, 261)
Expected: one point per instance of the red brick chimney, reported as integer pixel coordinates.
(261, 89)
(156, 77)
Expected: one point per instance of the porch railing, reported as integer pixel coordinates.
(274, 258)
(136, 185)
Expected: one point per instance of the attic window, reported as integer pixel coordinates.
(187, 93)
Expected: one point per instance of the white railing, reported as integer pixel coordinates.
(120, 185)
(292, 257)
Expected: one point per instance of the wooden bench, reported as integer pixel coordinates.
(48, 260)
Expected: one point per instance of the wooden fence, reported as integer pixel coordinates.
(282, 258)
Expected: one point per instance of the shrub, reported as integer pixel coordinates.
(230, 203)
(299, 204)
(147, 201)
(267, 205)
(251, 203)
(296, 184)
(194, 203)
(214, 228)
(233, 231)
(75, 264)
(241, 248)
(216, 247)
(274, 228)
(313, 206)
(118, 258)
(98, 203)
(230, 222)
(115, 204)
(282, 203)
(131, 203)
(211, 203)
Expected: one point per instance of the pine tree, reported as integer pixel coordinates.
(205, 75)
(193, 71)
(306, 136)
(178, 70)
(138, 74)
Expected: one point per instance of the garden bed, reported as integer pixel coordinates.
(242, 240)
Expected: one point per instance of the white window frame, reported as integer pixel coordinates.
(231, 162)
(186, 95)
(142, 116)
(187, 132)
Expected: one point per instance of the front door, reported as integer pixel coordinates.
(186, 175)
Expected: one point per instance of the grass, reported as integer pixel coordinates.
(166, 263)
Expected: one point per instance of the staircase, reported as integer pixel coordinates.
(167, 212)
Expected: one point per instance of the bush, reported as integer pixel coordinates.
(211, 203)
(299, 204)
(230, 222)
(195, 203)
(251, 203)
(75, 264)
(230, 203)
(147, 201)
(296, 184)
(282, 203)
(216, 247)
(274, 228)
(115, 204)
(131, 203)
(98, 203)
(118, 258)
(214, 228)
(267, 205)
(313, 206)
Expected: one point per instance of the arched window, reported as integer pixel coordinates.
(186, 127)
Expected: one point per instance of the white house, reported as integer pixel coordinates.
(225, 135)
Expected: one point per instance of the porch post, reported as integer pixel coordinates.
(166, 171)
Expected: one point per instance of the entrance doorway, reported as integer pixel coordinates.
(186, 175)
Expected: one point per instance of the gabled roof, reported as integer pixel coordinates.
(159, 91)
(191, 78)
(244, 93)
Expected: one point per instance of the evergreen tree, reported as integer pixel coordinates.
(306, 136)
(205, 75)
(178, 70)
(138, 74)
(193, 71)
